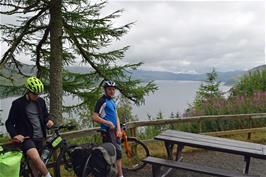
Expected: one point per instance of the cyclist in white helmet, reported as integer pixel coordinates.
(105, 113)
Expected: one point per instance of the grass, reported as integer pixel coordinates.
(156, 148)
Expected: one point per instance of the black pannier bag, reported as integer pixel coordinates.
(98, 161)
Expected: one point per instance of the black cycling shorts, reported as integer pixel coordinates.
(109, 137)
(29, 144)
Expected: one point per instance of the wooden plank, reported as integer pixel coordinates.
(194, 167)
(195, 119)
(224, 133)
(210, 139)
(207, 137)
(207, 144)
(217, 142)
(235, 131)
(228, 149)
(80, 133)
(258, 116)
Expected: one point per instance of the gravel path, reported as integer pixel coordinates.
(212, 159)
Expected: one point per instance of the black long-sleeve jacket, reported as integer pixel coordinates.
(18, 122)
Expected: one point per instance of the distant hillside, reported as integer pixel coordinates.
(226, 77)
(159, 75)
(233, 79)
(10, 71)
(262, 67)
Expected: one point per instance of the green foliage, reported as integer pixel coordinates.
(176, 115)
(208, 90)
(124, 111)
(151, 131)
(206, 97)
(250, 83)
(1, 124)
(248, 95)
(87, 35)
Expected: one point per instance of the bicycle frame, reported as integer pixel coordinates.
(127, 148)
(126, 144)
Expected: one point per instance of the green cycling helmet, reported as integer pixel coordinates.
(34, 85)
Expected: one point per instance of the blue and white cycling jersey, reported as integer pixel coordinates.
(106, 108)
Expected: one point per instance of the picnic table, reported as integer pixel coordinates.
(181, 139)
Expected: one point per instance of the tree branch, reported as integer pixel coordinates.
(17, 40)
(38, 50)
(93, 65)
(24, 9)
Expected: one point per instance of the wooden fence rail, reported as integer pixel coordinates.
(132, 126)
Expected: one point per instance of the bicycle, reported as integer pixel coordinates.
(53, 143)
(56, 142)
(133, 151)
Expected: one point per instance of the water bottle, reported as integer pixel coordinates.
(45, 154)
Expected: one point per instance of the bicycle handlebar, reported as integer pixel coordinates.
(60, 127)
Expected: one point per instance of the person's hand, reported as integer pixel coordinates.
(111, 125)
(119, 134)
(19, 138)
(50, 123)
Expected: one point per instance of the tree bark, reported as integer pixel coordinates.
(56, 83)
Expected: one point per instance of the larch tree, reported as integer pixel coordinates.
(56, 34)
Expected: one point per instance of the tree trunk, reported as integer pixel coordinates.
(56, 83)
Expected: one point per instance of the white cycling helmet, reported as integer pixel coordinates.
(109, 84)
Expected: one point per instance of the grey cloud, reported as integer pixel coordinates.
(191, 36)
(194, 36)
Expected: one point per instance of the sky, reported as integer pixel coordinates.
(191, 36)
(194, 36)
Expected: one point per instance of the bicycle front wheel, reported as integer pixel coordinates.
(63, 163)
(133, 156)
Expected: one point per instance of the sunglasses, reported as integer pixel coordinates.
(111, 88)
(35, 94)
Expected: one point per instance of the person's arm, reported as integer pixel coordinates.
(96, 115)
(96, 118)
(118, 127)
(10, 122)
(47, 121)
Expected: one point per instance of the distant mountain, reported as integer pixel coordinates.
(262, 67)
(160, 75)
(78, 69)
(235, 78)
(157, 75)
(227, 77)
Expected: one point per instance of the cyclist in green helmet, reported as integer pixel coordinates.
(27, 123)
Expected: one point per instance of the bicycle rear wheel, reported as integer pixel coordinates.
(138, 151)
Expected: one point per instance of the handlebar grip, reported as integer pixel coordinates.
(71, 127)
(68, 127)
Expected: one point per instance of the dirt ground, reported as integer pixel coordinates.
(212, 159)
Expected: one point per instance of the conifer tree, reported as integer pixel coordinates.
(55, 34)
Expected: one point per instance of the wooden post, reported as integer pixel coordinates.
(156, 170)
(250, 126)
(200, 126)
(247, 163)
(133, 132)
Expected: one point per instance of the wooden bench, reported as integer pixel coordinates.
(158, 162)
(181, 139)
